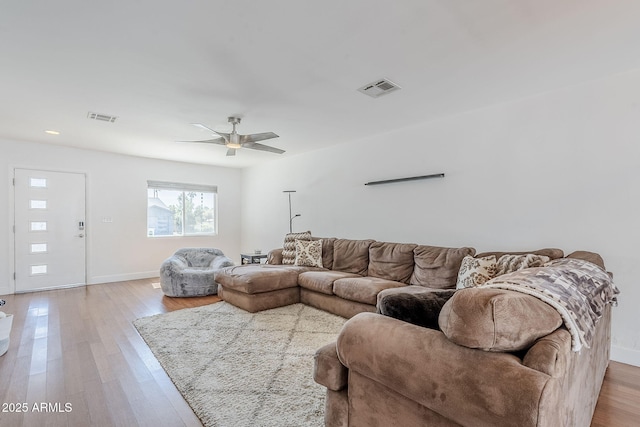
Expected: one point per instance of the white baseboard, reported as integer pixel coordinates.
(625, 355)
(8, 289)
(122, 277)
(96, 280)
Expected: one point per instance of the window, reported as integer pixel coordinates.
(38, 182)
(175, 209)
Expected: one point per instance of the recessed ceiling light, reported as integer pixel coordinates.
(52, 132)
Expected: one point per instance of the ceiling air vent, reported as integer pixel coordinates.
(379, 88)
(101, 117)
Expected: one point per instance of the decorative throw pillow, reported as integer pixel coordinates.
(289, 247)
(475, 271)
(510, 263)
(309, 253)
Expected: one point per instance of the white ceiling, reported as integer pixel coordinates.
(287, 66)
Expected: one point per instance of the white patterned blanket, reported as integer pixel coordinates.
(577, 289)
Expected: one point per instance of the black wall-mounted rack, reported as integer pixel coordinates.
(411, 178)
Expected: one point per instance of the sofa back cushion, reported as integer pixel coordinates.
(592, 257)
(391, 261)
(351, 256)
(437, 267)
(496, 319)
(552, 253)
(327, 251)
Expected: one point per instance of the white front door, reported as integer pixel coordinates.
(49, 229)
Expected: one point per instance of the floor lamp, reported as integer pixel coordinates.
(290, 215)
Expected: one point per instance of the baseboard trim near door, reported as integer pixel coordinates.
(95, 280)
(51, 288)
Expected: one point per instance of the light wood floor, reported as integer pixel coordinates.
(78, 346)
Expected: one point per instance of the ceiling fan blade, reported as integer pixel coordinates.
(255, 137)
(262, 147)
(231, 152)
(201, 126)
(220, 141)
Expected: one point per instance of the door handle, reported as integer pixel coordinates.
(80, 235)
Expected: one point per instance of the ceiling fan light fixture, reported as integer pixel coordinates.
(234, 139)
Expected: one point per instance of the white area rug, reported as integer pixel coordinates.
(237, 369)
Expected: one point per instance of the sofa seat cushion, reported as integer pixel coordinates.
(258, 278)
(391, 261)
(496, 319)
(363, 289)
(437, 267)
(322, 281)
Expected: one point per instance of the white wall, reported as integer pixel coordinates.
(560, 169)
(117, 188)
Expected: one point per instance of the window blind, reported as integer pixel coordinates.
(163, 185)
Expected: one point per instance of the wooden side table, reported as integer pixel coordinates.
(252, 258)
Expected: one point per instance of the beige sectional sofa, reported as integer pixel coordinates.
(353, 274)
(418, 352)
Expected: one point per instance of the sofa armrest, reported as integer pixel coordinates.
(275, 256)
(414, 304)
(327, 369)
(219, 262)
(173, 263)
(549, 354)
(424, 366)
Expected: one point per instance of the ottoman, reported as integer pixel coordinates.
(257, 287)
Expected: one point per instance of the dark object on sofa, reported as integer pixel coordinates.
(414, 304)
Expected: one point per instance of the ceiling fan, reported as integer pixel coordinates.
(234, 140)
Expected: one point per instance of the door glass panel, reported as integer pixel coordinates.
(38, 269)
(38, 182)
(38, 225)
(37, 248)
(38, 204)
